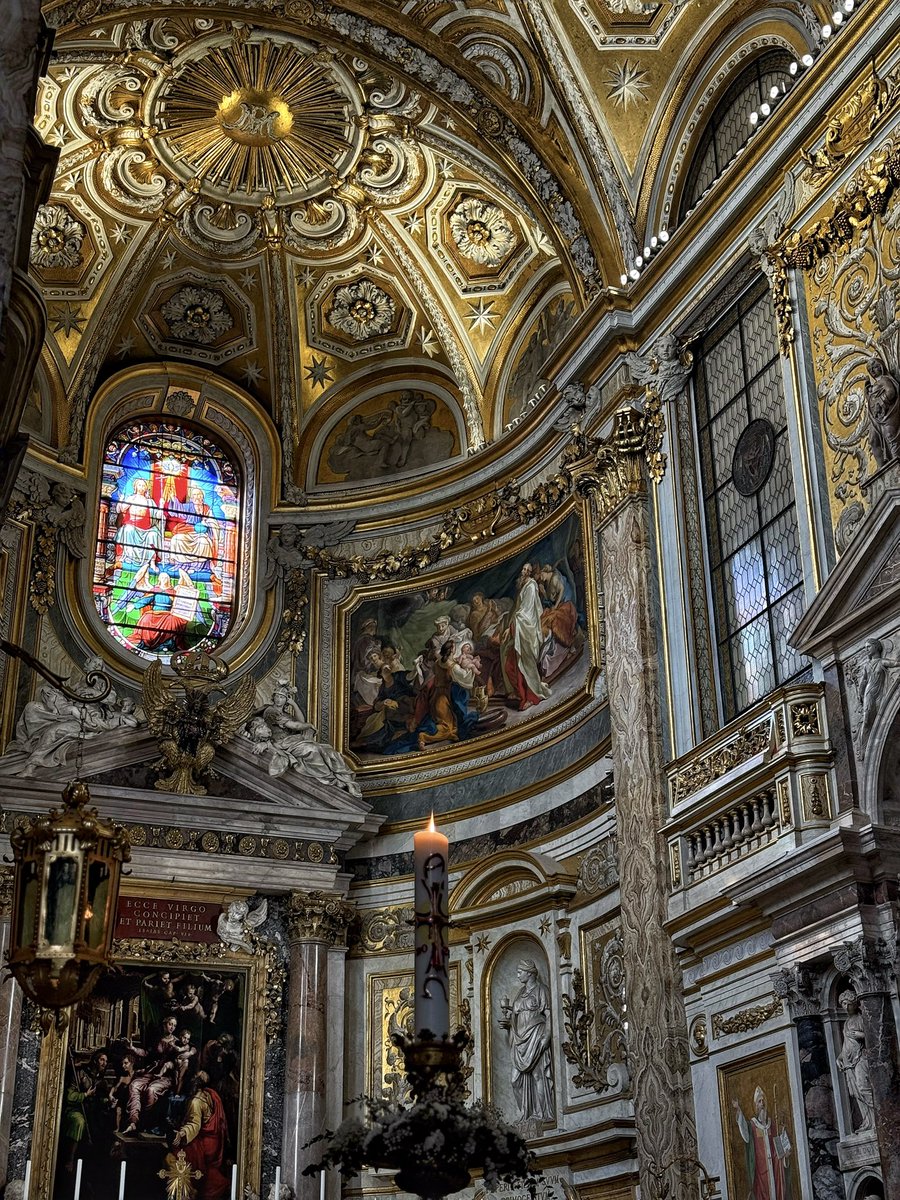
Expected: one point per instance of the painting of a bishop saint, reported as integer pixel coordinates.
(759, 1136)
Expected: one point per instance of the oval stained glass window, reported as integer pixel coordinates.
(167, 539)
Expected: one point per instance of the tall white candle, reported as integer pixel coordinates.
(431, 853)
(78, 1179)
(26, 1190)
(278, 1183)
(234, 1181)
(122, 1181)
(322, 1186)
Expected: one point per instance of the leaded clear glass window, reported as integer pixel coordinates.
(748, 496)
(167, 539)
(729, 128)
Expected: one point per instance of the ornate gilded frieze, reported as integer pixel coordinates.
(384, 930)
(747, 1019)
(319, 917)
(744, 744)
(7, 878)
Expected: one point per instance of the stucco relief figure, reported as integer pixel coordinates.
(870, 674)
(852, 1061)
(882, 393)
(527, 1022)
(399, 437)
(282, 730)
(50, 725)
(768, 1151)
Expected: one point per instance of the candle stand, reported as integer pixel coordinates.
(435, 1142)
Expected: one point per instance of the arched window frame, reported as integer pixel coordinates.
(219, 409)
(746, 91)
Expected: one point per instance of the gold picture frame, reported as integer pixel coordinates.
(538, 721)
(740, 1083)
(259, 979)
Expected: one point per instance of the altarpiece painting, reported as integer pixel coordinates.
(155, 1071)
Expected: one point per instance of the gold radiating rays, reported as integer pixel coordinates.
(256, 118)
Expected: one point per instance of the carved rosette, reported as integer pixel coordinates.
(319, 917)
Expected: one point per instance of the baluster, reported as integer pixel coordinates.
(756, 824)
(768, 807)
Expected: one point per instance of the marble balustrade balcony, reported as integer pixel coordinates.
(761, 785)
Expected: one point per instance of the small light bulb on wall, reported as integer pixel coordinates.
(754, 118)
(634, 274)
(623, 279)
(765, 109)
(654, 242)
(807, 60)
(664, 235)
(826, 31)
(794, 68)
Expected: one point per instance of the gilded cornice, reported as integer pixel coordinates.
(612, 471)
(747, 1019)
(319, 917)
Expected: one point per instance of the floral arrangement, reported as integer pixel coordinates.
(433, 1144)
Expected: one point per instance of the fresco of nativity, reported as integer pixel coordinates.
(433, 668)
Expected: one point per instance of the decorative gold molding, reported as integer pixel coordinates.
(319, 917)
(747, 1019)
(384, 929)
(865, 197)
(852, 125)
(610, 469)
(7, 877)
(751, 739)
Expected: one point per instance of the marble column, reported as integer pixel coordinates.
(614, 472)
(801, 989)
(870, 966)
(10, 1024)
(317, 922)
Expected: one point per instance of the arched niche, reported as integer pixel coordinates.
(519, 1049)
(213, 412)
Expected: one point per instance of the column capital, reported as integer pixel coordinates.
(798, 987)
(869, 964)
(7, 877)
(319, 917)
(611, 469)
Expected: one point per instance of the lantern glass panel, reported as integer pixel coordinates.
(30, 891)
(95, 909)
(62, 900)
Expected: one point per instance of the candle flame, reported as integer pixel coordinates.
(431, 825)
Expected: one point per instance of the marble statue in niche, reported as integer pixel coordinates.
(882, 393)
(853, 1063)
(527, 1022)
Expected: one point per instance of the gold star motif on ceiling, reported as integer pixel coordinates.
(414, 224)
(428, 342)
(319, 373)
(256, 117)
(248, 278)
(252, 372)
(66, 319)
(544, 925)
(482, 942)
(626, 84)
(307, 276)
(482, 316)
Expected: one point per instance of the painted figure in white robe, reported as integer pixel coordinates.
(521, 650)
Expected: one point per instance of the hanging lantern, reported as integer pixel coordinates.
(65, 896)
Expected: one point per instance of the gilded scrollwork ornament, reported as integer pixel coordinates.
(59, 518)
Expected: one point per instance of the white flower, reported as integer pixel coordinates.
(482, 231)
(57, 238)
(361, 309)
(198, 315)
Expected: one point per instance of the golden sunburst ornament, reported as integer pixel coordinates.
(258, 120)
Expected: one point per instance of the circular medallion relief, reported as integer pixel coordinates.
(261, 119)
(754, 456)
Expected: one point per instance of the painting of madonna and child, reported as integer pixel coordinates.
(164, 569)
(435, 667)
(153, 1068)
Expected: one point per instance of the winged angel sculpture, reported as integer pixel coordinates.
(189, 730)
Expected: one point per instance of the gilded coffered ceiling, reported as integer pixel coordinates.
(372, 219)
